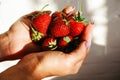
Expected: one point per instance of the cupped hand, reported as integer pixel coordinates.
(18, 41)
(56, 63)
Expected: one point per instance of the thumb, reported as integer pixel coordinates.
(79, 53)
(87, 34)
(82, 50)
(36, 13)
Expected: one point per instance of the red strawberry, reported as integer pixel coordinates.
(40, 25)
(76, 28)
(59, 28)
(54, 17)
(63, 42)
(77, 25)
(49, 44)
(42, 22)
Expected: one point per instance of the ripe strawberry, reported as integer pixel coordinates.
(55, 17)
(63, 42)
(59, 28)
(41, 22)
(40, 25)
(49, 44)
(76, 28)
(77, 25)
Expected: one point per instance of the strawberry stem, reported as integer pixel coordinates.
(78, 18)
(33, 30)
(36, 36)
(64, 19)
(42, 12)
(81, 7)
(44, 7)
(67, 39)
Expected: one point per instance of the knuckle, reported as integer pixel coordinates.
(68, 9)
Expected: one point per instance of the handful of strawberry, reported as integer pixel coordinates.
(59, 31)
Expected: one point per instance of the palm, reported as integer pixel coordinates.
(21, 42)
(54, 63)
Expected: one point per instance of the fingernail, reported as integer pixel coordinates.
(88, 44)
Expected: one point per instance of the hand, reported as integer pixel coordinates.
(39, 65)
(56, 63)
(17, 41)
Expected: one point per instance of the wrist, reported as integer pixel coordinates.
(15, 73)
(4, 41)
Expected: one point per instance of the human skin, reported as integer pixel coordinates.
(39, 65)
(16, 42)
(34, 64)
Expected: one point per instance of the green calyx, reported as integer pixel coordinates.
(65, 20)
(52, 45)
(79, 17)
(67, 39)
(36, 36)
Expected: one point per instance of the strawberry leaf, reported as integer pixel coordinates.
(67, 39)
(52, 45)
(36, 36)
(78, 18)
(65, 20)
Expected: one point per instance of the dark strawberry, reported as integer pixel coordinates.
(66, 11)
(71, 15)
(57, 14)
(64, 41)
(49, 44)
(59, 28)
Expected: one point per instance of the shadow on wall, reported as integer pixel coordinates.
(103, 62)
(63, 3)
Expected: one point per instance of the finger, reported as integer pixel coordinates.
(33, 13)
(87, 33)
(68, 9)
(36, 13)
(82, 50)
(27, 19)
